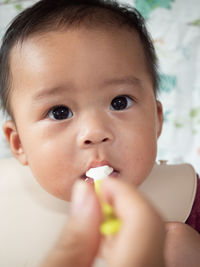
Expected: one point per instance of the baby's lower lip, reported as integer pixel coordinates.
(89, 180)
(114, 174)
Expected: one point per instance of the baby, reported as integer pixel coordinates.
(79, 81)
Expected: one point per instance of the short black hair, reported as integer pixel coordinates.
(48, 15)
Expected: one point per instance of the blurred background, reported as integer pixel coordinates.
(175, 29)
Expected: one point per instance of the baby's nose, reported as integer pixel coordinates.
(95, 140)
(94, 131)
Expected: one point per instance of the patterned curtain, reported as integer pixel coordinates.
(175, 28)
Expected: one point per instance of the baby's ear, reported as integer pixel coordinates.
(14, 142)
(159, 118)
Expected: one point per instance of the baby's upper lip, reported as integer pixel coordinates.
(94, 164)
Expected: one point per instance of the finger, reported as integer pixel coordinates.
(79, 241)
(141, 237)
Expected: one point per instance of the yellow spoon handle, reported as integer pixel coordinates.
(110, 224)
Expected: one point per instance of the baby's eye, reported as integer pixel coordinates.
(121, 102)
(60, 113)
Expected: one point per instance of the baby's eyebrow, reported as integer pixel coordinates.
(128, 80)
(51, 91)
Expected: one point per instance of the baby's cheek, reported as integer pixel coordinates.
(62, 188)
(140, 168)
(52, 181)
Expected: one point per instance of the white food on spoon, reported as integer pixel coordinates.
(99, 173)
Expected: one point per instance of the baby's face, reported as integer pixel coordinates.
(83, 98)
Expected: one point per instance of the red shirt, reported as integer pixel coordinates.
(194, 217)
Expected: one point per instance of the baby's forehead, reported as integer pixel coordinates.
(100, 30)
(60, 57)
(79, 61)
(45, 38)
(79, 41)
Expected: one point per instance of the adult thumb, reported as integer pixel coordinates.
(80, 239)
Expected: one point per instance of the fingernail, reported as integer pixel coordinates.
(80, 198)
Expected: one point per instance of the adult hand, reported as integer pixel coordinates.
(80, 239)
(139, 242)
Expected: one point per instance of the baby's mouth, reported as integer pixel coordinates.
(115, 173)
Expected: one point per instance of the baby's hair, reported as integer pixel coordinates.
(54, 15)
